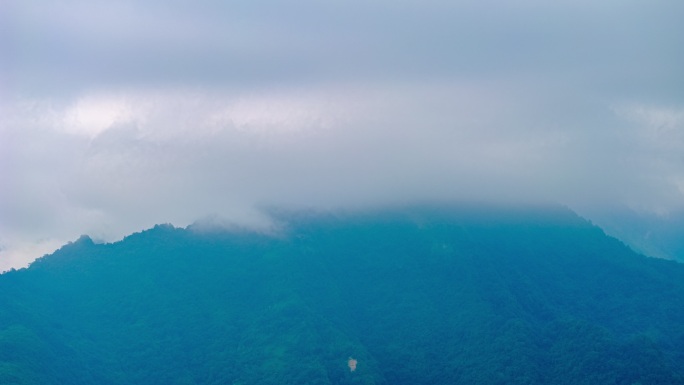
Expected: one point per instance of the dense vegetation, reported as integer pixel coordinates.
(415, 296)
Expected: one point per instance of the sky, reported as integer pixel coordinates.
(118, 115)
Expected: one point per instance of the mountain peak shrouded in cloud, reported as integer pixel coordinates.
(120, 115)
(426, 294)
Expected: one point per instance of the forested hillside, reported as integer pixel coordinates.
(424, 295)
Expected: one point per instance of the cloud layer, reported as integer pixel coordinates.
(120, 115)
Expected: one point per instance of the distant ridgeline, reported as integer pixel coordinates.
(426, 295)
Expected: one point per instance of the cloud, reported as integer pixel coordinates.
(71, 45)
(121, 115)
(91, 116)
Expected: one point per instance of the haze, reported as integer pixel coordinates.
(120, 115)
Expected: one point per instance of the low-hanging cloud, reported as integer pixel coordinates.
(123, 115)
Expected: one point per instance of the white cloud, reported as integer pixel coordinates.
(21, 252)
(120, 115)
(277, 114)
(92, 115)
(149, 157)
(663, 126)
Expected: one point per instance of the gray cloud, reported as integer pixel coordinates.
(121, 115)
(245, 43)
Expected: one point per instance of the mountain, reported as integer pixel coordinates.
(419, 295)
(648, 233)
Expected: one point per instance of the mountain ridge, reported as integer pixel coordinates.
(417, 295)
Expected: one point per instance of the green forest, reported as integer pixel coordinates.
(418, 295)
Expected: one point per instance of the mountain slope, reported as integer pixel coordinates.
(429, 295)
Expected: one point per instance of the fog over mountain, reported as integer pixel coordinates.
(427, 295)
(120, 115)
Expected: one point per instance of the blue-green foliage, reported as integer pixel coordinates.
(416, 296)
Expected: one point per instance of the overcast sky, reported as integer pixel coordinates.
(117, 115)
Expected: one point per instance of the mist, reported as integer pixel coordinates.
(119, 116)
